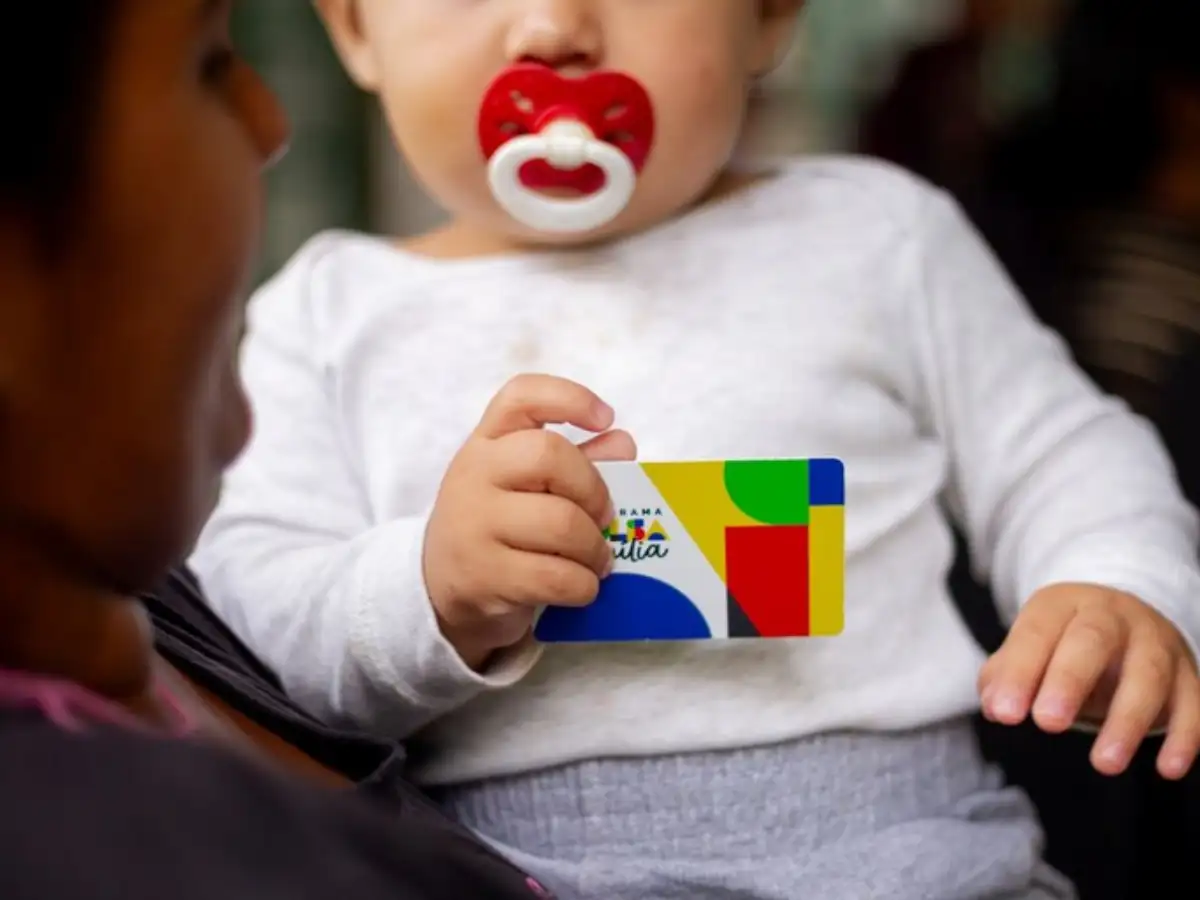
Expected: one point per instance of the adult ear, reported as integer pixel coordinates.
(344, 22)
(776, 27)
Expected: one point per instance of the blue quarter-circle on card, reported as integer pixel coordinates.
(628, 608)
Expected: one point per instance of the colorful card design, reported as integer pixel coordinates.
(717, 550)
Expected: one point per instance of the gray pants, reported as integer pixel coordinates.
(908, 816)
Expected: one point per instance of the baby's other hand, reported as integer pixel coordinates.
(518, 521)
(1083, 652)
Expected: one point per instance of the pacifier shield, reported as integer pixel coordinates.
(527, 97)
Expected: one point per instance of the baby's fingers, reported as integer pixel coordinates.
(612, 446)
(1179, 751)
(1093, 640)
(541, 579)
(532, 401)
(1147, 679)
(544, 523)
(546, 462)
(1011, 678)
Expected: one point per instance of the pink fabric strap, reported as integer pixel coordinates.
(74, 708)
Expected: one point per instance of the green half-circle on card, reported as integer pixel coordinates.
(773, 491)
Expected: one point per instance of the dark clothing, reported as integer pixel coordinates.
(112, 815)
(191, 637)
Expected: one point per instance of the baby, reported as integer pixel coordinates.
(386, 548)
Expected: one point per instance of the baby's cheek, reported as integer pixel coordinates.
(702, 110)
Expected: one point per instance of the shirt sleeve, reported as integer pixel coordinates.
(333, 601)
(1051, 480)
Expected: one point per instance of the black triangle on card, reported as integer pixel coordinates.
(740, 625)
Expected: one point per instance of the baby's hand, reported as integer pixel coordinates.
(518, 520)
(1080, 651)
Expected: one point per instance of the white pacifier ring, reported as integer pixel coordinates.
(565, 145)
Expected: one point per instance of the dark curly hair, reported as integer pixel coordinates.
(53, 85)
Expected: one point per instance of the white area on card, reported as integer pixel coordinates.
(683, 566)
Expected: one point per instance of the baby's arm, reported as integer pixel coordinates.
(293, 560)
(1053, 482)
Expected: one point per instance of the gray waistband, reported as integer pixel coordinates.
(805, 792)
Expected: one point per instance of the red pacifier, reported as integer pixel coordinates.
(543, 132)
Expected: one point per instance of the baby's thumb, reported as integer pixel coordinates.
(612, 446)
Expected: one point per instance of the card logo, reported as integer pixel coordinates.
(637, 534)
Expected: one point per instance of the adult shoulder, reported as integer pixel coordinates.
(114, 816)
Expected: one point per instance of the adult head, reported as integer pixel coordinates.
(130, 203)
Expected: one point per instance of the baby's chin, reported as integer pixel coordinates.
(652, 205)
(630, 222)
(482, 229)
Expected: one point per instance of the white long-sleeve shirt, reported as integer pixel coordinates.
(839, 308)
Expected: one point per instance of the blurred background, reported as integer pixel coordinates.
(1069, 130)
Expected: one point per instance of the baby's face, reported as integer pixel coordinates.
(431, 62)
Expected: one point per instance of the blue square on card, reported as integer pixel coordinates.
(826, 482)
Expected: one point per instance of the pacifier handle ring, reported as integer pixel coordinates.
(556, 215)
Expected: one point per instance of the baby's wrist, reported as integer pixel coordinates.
(474, 651)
